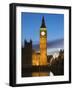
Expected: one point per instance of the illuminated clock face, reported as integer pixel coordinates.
(43, 33)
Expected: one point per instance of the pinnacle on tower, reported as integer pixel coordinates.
(43, 23)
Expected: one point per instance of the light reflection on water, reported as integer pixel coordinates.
(36, 74)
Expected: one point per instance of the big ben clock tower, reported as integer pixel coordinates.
(43, 43)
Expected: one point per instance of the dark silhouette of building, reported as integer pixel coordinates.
(57, 64)
(27, 54)
(26, 57)
(49, 57)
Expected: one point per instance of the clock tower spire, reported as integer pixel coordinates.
(43, 43)
(43, 23)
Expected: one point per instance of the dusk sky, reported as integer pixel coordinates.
(31, 23)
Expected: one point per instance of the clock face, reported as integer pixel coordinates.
(43, 33)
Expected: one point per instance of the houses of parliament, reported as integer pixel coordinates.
(31, 57)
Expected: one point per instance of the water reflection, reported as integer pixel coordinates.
(36, 74)
(37, 71)
(40, 74)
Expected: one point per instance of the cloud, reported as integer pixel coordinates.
(51, 44)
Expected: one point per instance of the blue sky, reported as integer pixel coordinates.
(31, 22)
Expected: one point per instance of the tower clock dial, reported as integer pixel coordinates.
(42, 33)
